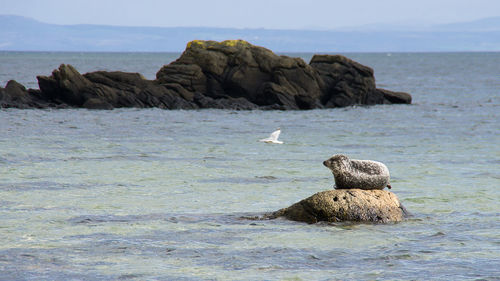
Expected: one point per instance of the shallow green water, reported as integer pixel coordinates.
(154, 194)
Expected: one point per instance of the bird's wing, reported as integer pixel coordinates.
(275, 135)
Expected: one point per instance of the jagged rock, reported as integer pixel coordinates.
(17, 96)
(346, 81)
(106, 90)
(14, 95)
(339, 205)
(237, 69)
(66, 85)
(232, 74)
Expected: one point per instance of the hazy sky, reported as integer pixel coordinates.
(282, 14)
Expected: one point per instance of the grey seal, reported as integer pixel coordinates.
(362, 174)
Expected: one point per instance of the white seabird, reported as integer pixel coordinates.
(273, 138)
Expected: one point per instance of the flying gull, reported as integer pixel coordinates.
(273, 138)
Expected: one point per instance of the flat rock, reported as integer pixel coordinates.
(395, 97)
(340, 205)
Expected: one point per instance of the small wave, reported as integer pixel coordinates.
(227, 219)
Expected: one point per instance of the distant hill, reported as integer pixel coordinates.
(25, 34)
(482, 25)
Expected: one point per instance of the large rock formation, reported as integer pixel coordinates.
(237, 69)
(354, 205)
(231, 74)
(106, 90)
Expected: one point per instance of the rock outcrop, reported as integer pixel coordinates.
(106, 90)
(231, 74)
(353, 205)
(237, 69)
(17, 96)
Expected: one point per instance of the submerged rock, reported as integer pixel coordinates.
(232, 74)
(355, 205)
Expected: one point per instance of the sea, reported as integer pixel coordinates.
(152, 194)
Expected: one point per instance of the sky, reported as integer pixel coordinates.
(269, 14)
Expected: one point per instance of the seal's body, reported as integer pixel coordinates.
(362, 174)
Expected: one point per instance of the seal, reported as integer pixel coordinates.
(362, 174)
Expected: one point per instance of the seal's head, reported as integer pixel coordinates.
(337, 162)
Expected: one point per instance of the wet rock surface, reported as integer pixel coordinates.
(340, 205)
